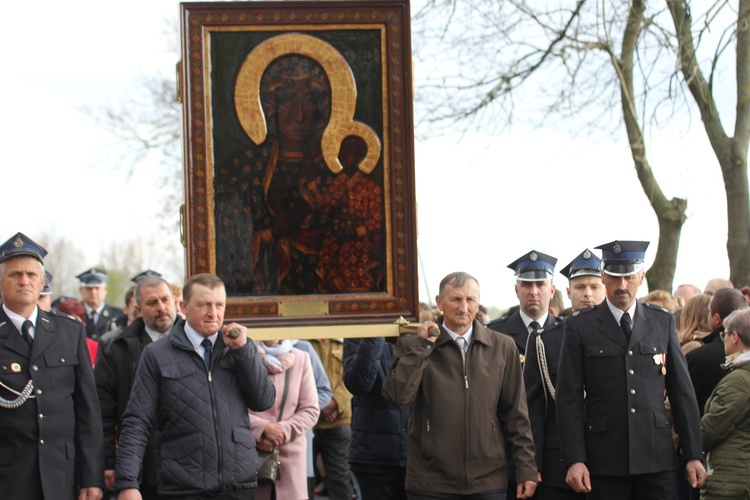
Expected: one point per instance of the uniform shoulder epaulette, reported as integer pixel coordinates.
(655, 307)
(58, 314)
(585, 310)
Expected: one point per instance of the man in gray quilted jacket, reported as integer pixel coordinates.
(194, 387)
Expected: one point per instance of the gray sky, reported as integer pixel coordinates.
(482, 201)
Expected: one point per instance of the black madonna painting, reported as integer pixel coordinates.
(299, 158)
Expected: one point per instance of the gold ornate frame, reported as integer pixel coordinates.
(336, 34)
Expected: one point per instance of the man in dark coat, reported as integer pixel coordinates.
(618, 362)
(195, 387)
(534, 290)
(101, 317)
(116, 367)
(377, 454)
(540, 376)
(704, 363)
(50, 425)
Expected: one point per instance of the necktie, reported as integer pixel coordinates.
(461, 342)
(535, 326)
(207, 346)
(91, 324)
(25, 329)
(625, 325)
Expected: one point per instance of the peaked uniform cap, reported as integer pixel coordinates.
(93, 277)
(534, 266)
(585, 264)
(20, 245)
(623, 258)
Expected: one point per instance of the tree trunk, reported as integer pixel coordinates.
(731, 152)
(670, 213)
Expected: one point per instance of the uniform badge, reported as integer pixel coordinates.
(533, 256)
(15, 367)
(587, 254)
(661, 360)
(522, 358)
(105, 313)
(617, 248)
(18, 242)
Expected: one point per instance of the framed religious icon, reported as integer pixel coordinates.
(299, 159)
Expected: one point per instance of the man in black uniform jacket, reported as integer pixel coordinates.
(102, 317)
(534, 289)
(540, 376)
(618, 362)
(50, 425)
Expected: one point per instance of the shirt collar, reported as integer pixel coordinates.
(18, 320)
(467, 336)
(527, 320)
(157, 335)
(618, 313)
(196, 338)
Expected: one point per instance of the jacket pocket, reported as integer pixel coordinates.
(245, 456)
(181, 462)
(599, 359)
(651, 359)
(61, 368)
(596, 424)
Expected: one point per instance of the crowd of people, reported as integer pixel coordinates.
(613, 398)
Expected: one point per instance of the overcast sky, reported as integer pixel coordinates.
(482, 201)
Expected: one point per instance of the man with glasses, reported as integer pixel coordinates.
(704, 363)
(618, 362)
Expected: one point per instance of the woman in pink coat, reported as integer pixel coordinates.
(300, 413)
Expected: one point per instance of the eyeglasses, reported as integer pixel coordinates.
(723, 335)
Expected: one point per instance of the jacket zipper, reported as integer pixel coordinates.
(216, 423)
(466, 418)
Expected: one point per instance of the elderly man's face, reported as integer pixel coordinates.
(459, 305)
(622, 290)
(21, 283)
(534, 297)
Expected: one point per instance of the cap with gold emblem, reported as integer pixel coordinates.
(534, 266)
(623, 258)
(21, 245)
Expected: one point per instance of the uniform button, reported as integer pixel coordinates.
(632, 391)
(654, 349)
(62, 360)
(38, 391)
(630, 353)
(601, 351)
(631, 372)
(41, 416)
(35, 368)
(632, 410)
(41, 442)
(429, 347)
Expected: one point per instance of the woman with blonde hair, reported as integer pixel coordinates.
(694, 323)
